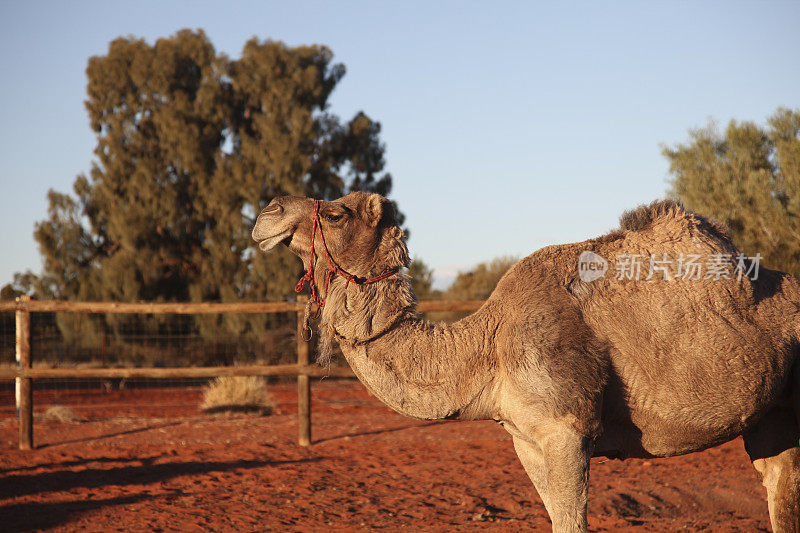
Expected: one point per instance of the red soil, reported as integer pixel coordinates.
(149, 460)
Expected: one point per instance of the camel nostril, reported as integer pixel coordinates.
(272, 209)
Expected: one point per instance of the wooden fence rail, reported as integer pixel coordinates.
(24, 374)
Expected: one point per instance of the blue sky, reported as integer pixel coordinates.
(508, 127)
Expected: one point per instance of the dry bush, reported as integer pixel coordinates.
(237, 394)
(60, 413)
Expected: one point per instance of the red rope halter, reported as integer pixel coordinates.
(333, 268)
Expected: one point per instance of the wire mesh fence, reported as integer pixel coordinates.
(153, 359)
(104, 340)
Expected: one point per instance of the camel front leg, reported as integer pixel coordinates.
(773, 448)
(558, 464)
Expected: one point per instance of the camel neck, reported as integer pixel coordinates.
(419, 369)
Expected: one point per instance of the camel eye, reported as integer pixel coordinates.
(333, 218)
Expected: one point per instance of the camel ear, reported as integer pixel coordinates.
(394, 248)
(374, 209)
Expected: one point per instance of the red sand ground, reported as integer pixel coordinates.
(149, 460)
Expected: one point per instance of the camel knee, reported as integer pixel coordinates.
(558, 465)
(787, 490)
(780, 475)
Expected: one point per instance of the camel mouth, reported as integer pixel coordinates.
(285, 237)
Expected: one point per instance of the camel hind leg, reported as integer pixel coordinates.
(773, 448)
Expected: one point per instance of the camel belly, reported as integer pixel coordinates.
(692, 384)
(673, 416)
(662, 438)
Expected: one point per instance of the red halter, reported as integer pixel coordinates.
(333, 267)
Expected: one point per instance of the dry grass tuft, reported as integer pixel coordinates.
(61, 413)
(237, 394)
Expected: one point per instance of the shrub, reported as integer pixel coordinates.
(61, 413)
(237, 394)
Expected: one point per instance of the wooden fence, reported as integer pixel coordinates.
(24, 374)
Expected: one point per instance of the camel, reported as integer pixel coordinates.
(571, 366)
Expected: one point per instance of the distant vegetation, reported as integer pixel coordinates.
(748, 178)
(479, 282)
(422, 280)
(475, 283)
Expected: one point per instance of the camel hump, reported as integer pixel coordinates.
(671, 213)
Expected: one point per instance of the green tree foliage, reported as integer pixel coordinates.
(9, 293)
(478, 283)
(422, 280)
(190, 146)
(749, 179)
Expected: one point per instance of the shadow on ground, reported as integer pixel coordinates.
(35, 515)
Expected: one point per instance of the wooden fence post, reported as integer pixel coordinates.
(303, 380)
(24, 385)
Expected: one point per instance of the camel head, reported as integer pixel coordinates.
(359, 231)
